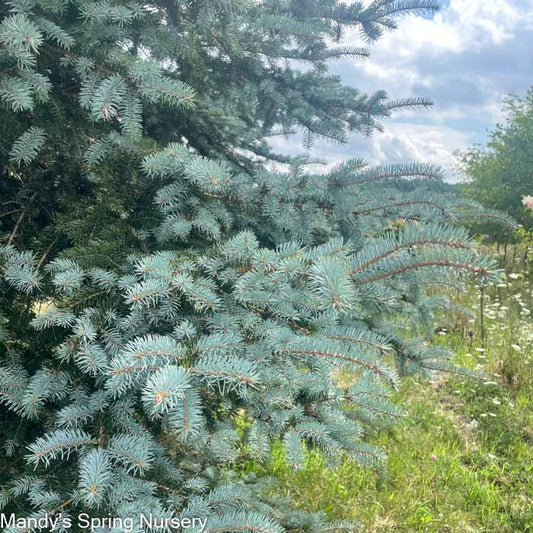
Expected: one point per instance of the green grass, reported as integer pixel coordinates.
(463, 458)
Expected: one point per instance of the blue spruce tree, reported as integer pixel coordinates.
(171, 305)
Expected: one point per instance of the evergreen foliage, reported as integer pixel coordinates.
(172, 303)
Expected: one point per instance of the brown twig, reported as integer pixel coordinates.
(19, 221)
(420, 264)
(44, 256)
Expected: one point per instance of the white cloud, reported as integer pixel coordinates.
(463, 25)
(413, 142)
(401, 142)
(466, 58)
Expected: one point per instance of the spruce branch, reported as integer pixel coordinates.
(478, 270)
(406, 203)
(390, 172)
(27, 146)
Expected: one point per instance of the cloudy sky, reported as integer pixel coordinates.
(466, 59)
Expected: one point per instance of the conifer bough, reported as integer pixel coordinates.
(172, 306)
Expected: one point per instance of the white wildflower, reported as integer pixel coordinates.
(528, 201)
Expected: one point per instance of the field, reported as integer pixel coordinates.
(462, 460)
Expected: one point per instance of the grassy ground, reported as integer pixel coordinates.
(463, 459)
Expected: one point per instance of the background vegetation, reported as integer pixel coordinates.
(499, 174)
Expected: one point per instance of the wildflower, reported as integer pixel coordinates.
(528, 201)
(433, 457)
(472, 425)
